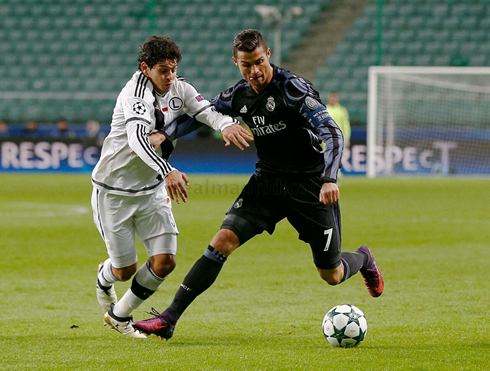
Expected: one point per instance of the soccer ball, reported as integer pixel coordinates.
(344, 326)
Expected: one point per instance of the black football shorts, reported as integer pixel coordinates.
(268, 198)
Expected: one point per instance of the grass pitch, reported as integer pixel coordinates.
(431, 238)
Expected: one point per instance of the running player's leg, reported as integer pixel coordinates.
(350, 262)
(201, 277)
(161, 250)
(320, 226)
(151, 274)
(241, 223)
(234, 232)
(156, 228)
(115, 228)
(113, 217)
(324, 239)
(253, 211)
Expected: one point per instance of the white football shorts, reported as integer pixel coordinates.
(119, 218)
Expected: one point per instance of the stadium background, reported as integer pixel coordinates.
(63, 58)
(431, 236)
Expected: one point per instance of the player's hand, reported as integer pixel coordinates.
(329, 194)
(156, 139)
(176, 183)
(238, 135)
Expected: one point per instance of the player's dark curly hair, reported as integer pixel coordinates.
(248, 41)
(157, 49)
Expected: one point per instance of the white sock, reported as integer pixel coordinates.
(105, 276)
(125, 306)
(147, 282)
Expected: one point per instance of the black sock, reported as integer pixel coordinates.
(353, 261)
(201, 276)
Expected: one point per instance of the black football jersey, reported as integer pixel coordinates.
(289, 122)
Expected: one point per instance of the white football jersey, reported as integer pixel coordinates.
(128, 164)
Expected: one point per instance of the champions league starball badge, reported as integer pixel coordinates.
(139, 108)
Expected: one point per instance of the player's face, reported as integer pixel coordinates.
(255, 67)
(333, 99)
(162, 75)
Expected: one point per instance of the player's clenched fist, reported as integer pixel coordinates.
(329, 194)
(176, 183)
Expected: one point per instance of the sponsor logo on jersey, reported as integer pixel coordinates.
(164, 109)
(262, 128)
(199, 98)
(139, 108)
(270, 105)
(258, 120)
(311, 103)
(175, 103)
(244, 109)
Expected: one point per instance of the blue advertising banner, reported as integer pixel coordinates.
(195, 155)
(50, 155)
(465, 155)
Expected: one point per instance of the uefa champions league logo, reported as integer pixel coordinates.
(139, 108)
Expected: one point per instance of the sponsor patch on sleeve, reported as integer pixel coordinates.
(311, 103)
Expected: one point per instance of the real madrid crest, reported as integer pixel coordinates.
(238, 204)
(270, 105)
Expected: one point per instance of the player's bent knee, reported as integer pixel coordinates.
(125, 274)
(225, 241)
(162, 265)
(331, 281)
(331, 276)
(235, 231)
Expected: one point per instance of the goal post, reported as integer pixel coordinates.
(430, 121)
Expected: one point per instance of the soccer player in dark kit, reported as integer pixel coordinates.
(294, 179)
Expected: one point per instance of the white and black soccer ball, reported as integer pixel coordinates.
(344, 326)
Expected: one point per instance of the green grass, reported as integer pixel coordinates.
(431, 238)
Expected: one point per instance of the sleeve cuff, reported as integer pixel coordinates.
(328, 180)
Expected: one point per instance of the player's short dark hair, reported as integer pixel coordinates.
(248, 41)
(157, 49)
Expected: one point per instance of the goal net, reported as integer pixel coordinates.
(428, 121)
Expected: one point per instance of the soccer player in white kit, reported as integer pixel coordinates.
(133, 183)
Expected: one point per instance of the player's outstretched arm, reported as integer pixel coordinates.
(238, 135)
(176, 183)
